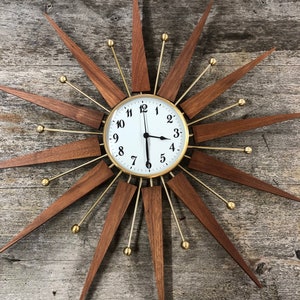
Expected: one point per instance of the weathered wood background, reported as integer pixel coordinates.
(52, 263)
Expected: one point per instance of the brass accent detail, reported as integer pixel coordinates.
(41, 128)
(46, 181)
(240, 102)
(110, 44)
(127, 251)
(212, 62)
(128, 248)
(183, 240)
(185, 245)
(247, 149)
(75, 228)
(63, 79)
(229, 204)
(164, 38)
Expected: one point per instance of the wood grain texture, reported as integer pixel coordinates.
(82, 115)
(152, 199)
(206, 132)
(81, 149)
(87, 183)
(197, 103)
(171, 85)
(140, 77)
(207, 164)
(107, 88)
(185, 191)
(121, 199)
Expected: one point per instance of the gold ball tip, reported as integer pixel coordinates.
(164, 37)
(213, 61)
(110, 43)
(45, 182)
(40, 128)
(75, 228)
(242, 102)
(63, 79)
(231, 205)
(185, 245)
(127, 251)
(248, 150)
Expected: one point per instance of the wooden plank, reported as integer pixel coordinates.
(197, 103)
(170, 87)
(140, 76)
(83, 115)
(185, 191)
(206, 132)
(210, 165)
(152, 199)
(121, 199)
(80, 149)
(110, 92)
(87, 183)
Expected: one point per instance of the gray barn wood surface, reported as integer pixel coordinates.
(52, 263)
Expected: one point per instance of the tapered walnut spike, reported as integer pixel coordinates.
(140, 76)
(110, 92)
(152, 199)
(80, 149)
(121, 199)
(185, 191)
(87, 183)
(82, 115)
(206, 132)
(198, 102)
(170, 87)
(210, 165)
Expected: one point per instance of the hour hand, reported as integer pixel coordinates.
(147, 135)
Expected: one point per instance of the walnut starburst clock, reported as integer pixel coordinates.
(151, 149)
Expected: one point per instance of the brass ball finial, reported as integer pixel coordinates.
(242, 102)
(231, 205)
(110, 43)
(45, 182)
(40, 128)
(185, 245)
(213, 61)
(63, 79)
(127, 251)
(164, 37)
(248, 150)
(75, 228)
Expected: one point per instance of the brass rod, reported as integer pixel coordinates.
(184, 243)
(63, 79)
(41, 128)
(99, 199)
(164, 38)
(111, 44)
(240, 102)
(229, 204)
(46, 181)
(127, 250)
(247, 149)
(212, 62)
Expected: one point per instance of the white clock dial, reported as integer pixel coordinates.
(146, 136)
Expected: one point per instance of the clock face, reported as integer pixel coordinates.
(146, 136)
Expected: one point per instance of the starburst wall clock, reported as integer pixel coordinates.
(147, 150)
